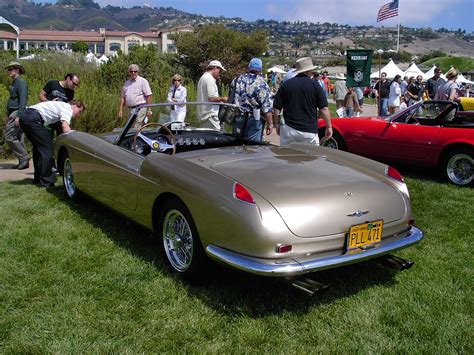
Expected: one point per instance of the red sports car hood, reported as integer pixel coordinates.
(314, 195)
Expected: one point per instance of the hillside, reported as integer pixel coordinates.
(445, 63)
(286, 38)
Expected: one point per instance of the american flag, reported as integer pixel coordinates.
(388, 10)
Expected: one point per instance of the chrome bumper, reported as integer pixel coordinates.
(289, 267)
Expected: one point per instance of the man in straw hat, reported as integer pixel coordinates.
(300, 98)
(16, 104)
(340, 90)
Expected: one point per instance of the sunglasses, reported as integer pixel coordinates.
(176, 79)
(133, 71)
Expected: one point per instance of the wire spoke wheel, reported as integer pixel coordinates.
(68, 178)
(178, 240)
(460, 169)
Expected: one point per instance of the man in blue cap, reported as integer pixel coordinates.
(253, 94)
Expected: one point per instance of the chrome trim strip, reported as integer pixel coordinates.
(290, 267)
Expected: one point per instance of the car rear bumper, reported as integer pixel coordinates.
(290, 267)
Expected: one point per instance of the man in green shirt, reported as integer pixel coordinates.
(16, 104)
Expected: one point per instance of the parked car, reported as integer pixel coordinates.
(253, 206)
(433, 134)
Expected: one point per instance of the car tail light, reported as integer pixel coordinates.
(394, 174)
(242, 194)
(283, 248)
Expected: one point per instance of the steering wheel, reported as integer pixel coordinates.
(155, 145)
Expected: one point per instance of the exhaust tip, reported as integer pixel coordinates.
(395, 262)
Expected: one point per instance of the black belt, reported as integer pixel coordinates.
(132, 107)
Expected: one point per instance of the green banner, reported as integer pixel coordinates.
(359, 62)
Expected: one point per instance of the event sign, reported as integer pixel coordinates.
(359, 62)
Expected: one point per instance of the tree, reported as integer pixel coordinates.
(81, 47)
(234, 49)
(84, 3)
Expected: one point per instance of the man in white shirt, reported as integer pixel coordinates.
(136, 91)
(207, 92)
(33, 121)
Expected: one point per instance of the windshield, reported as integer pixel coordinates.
(219, 117)
(189, 126)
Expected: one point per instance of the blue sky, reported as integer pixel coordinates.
(452, 14)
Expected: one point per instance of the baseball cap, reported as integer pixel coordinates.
(256, 64)
(215, 63)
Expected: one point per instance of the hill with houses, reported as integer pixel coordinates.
(286, 38)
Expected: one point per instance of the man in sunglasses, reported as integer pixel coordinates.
(135, 92)
(433, 84)
(60, 90)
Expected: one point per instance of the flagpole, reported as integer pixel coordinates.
(398, 35)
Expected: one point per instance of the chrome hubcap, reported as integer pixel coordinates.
(68, 179)
(460, 169)
(177, 240)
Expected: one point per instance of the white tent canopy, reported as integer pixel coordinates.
(462, 79)
(103, 58)
(413, 70)
(7, 26)
(391, 69)
(91, 58)
(276, 70)
(430, 73)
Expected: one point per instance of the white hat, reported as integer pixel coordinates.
(304, 64)
(215, 63)
(340, 76)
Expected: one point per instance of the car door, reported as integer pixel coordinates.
(408, 142)
(117, 175)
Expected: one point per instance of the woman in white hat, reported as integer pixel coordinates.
(177, 94)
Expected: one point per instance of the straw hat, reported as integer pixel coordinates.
(16, 65)
(340, 76)
(304, 65)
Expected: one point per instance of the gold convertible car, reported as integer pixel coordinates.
(210, 194)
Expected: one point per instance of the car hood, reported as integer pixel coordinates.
(315, 195)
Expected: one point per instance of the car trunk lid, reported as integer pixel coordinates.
(314, 195)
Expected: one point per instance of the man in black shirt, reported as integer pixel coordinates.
(433, 84)
(300, 98)
(63, 90)
(382, 89)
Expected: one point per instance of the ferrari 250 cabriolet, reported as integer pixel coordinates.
(210, 194)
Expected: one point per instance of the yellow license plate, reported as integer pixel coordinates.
(364, 235)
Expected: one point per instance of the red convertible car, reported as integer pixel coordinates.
(435, 134)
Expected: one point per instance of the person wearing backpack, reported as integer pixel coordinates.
(253, 95)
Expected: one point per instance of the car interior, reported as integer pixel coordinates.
(437, 113)
(160, 134)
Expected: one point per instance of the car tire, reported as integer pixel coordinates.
(68, 177)
(457, 166)
(179, 240)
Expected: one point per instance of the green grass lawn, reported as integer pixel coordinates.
(76, 278)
